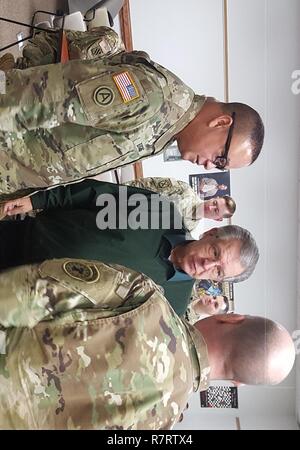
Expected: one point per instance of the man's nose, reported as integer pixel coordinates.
(209, 264)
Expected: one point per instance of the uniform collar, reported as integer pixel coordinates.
(199, 356)
(188, 116)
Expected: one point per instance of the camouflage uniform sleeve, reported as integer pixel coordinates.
(86, 93)
(161, 185)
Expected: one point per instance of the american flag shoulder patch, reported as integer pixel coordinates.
(126, 86)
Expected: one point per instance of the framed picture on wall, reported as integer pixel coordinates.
(227, 290)
(214, 288)
(219, 397)
(216, 184)
(208, 298)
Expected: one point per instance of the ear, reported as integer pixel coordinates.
(230, 318)
(222, 121)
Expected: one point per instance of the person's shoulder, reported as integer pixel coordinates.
(187, 189)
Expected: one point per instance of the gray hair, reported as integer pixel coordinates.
(249, 250)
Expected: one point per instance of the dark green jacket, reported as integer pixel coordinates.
(67, 228)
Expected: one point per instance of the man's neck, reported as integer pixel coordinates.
(215, 351)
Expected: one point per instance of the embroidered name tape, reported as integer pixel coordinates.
(126, 87)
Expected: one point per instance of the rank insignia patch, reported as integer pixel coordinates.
(126, 87)
(81, 271)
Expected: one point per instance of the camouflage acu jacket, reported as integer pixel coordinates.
(93, 346)
(186, 200)
(64, 122)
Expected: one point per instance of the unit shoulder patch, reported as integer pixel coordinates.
(103, 96)
(81, 271)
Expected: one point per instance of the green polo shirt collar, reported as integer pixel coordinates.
(174, 240)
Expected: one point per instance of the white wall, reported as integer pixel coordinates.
(264, 50)
(159, 28)
(259, 414)
(270, 51)
(188, 56)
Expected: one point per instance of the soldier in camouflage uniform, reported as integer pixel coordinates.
(87, 345)
(189, 204)
(93, 346)
(65, 122)
(42, 49)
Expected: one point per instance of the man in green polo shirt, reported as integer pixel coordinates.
(125, 225)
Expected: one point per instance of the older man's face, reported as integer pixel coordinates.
(210, 258)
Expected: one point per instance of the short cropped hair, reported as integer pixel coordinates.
(230, 206)
(247, 122)
(249, 251)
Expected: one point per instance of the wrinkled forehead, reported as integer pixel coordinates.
(230, 247)
(226, 243)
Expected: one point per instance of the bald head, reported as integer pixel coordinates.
(262, 351)
(256, 350)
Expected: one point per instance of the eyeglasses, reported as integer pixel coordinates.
(221, 161)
